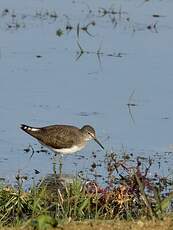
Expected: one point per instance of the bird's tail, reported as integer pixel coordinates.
(29, 129)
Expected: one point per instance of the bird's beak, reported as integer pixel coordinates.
(98, 143)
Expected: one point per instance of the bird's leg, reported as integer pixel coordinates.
(60, 164)
(54, 164)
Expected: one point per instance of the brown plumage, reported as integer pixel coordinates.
(62, 138)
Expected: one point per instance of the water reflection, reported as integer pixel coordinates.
(56, 182)
(120, 45)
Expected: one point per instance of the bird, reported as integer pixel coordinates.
(63, 139)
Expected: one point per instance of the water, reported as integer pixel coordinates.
(44, 81)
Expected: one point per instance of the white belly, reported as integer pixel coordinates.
(73, 149)
(70, 150)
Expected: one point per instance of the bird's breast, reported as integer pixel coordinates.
(73, 149)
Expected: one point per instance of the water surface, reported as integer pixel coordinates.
(44, 79)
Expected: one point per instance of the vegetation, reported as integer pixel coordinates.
(53, 202)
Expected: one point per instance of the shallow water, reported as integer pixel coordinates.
(127, 59)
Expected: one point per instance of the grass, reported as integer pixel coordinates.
(131, 198)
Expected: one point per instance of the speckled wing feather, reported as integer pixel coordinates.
(56, 136)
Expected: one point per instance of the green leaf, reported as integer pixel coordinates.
(44, 222)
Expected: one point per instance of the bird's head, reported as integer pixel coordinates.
(90, 134)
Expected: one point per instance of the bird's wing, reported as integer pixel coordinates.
(56, 136)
